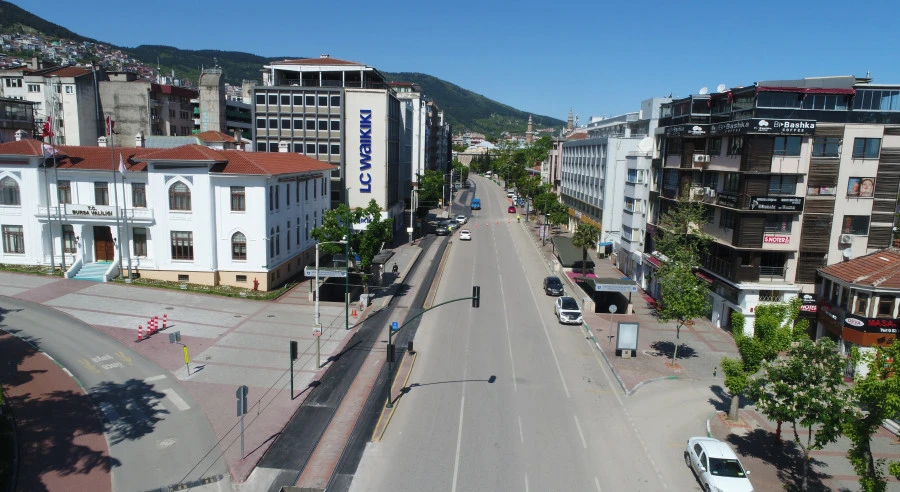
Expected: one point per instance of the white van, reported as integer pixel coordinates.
(487, 174)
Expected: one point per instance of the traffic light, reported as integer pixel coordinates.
(476, 296)
(293, 350)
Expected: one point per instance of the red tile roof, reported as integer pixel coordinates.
(68, 72)
(878, 269)
(214, 136)
(235, 161)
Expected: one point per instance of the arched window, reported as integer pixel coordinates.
(179, 197)
(238, 246)
(9, 192)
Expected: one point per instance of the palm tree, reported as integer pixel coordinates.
(584, 237)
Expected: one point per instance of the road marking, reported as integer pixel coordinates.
(526, 482)
(121, 355)
(91, 367)
(521, 434)
(580, 434)
(181, 404)
(597, 483)
(154, 378)
(462, 404)
(512, 361)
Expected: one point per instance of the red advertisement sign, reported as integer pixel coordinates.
(777, 239)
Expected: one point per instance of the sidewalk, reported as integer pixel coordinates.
(701, 347)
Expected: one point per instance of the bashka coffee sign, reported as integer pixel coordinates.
(777, 203)
(690, 130)
(886, 326)
(783, 127)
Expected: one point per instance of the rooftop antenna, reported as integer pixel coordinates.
(704, 90)
(720, 88)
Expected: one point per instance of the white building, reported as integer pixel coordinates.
(194, 214)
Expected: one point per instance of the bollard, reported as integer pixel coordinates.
(165, 320)
(409, 347)
(140, 333)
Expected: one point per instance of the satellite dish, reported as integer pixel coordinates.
(720, 88)
(848, 253)
(704, 90)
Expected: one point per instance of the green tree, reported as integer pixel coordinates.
(545, 202)
(774, 328)
(431, 187)
(585, 236)
(684, 297)
(460, 147)
(559, 215)
(806, 390)
(878, 392)
(366, 243)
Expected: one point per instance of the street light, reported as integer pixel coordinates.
(317, 327)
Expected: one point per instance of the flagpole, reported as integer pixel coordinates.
(49, 223)
(59, 217)
(109, 129)
(125, 216)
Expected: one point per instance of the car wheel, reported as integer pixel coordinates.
(708, 489)
(687, 459)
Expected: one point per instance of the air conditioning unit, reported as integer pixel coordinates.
(701, 158)
(846, 238)
(708, 191)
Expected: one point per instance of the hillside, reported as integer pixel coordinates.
(463, 109)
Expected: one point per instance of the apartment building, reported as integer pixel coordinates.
(796, 175)
(144, 106)
(15, 115)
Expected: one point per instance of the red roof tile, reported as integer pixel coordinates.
(878, 269)
(23, 147)
(214, 136)
(68, 72)
(192, 152)
(271, 163)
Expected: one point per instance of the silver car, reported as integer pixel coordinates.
(568, 311)
(716, 466)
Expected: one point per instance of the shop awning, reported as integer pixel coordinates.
(653, 261)
(806, 90)
(568, 254)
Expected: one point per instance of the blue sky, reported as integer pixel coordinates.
(593, 57)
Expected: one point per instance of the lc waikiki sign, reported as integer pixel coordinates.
(365, 161)
(365, 151)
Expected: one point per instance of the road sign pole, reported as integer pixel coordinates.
(390, 361)
(612, 311)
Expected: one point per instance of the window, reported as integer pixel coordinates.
(298, 100)
(34, 88)
(862, 304)
(13, 239)
(323, 101)
(240, 278)
(68, 234)
(726, 219)
(335, 149)
(184, 278)
(297, 193)
(314, 189)
(179, 197)
(63, 191)
(238, 246)
(311, 124)
(866, 148)
(335, 101)
(885, 307)
(778, 223)
(261, 123)
(70, 89)
(335, 125)
(287, 194)
(856, 224)
(273, 123)
(831, 102)
(287, 236)
(735, 145)
(782, 185)
(285, 100)
(9, 192)
(171, 113)
(861, 187)
(273, 99)
(182, 245)
(278, 240)
(277, 194)
(310, 100)
(710, 180)
(13, 82)
(260, 99)
(323, 125)
(285, 123)
(139, 195)
(298, 123)
(273, 146)
(310, 149)
(789, 146)
(634, 176)
(238, 203)
(139, 236)
(101, 193)
(675, 146)
(826, 147)
(260, 146)
(323, 148)
(873, 100)
(271, 243)
(715, 146)
(732, 182)
(271, 199)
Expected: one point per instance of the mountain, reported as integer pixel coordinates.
(463, 109)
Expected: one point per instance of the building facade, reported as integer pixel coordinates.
(143, 106)
(189, 214)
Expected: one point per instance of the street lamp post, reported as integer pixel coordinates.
(317, 327)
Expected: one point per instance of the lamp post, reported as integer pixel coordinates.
(317, 327)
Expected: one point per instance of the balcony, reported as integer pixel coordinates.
(726, 269)
(74, 213)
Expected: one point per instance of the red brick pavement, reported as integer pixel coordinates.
(59, 437)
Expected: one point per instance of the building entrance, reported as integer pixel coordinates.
(104, 249)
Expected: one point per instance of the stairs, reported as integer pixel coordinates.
(92, 271)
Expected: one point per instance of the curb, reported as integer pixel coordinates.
(376, 436)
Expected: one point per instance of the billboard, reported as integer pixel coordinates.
(365, 123)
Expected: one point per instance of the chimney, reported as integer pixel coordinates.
(239, 143)
(324, 55)
(282, 146)
(20, 135)
(101, 142)
(139, 140)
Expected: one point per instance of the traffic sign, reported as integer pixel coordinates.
(395, 326)
(311, 272)
(613, 308)
(317, 330)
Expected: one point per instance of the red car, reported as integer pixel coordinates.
(511, 209)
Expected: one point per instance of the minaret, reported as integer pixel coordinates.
(529, 134)
(569, 125)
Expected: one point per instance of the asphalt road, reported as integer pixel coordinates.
(503, 397)
(154, 428)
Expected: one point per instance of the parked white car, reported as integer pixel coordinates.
(567, 310)
(716, 466)
(461, 219)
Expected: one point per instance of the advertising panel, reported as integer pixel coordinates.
(765, 126)
(365, 147)
(777, 203)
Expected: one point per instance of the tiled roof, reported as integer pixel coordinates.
(24, 147)
(191, 152)
(68, 72)
(878, 269)
(316, 61)
(271, 163)
(213, 136)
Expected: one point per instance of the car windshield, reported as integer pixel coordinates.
(569, 303)
(554, 282)
(726, 468)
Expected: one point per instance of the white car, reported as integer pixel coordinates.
(716, 466)
(465, 235)
(567, 310)
(461, 219)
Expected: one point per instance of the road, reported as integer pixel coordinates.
(504, 398)
(154, 428)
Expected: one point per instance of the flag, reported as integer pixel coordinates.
(47, 131)
(48, 151)
(121, 165)
(110, 126)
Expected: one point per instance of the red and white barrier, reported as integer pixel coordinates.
(165, 320)
(140, 333)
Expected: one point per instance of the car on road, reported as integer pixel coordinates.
(553, 286)
(520, 202)
(465, 235)
(445, 228)
(510, 194)
(461, 219)
(568, 311)
(511, 209)
(716, 466)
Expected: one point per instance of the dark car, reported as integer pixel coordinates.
(444, 228)
(511, 209)
(553, 286)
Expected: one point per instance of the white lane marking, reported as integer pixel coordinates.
(462, 404)
(512, 361)
(154, 378)
(526, 482)
(550, 344)
(179, 403)
(580, 434)
(521, 434)
(597, 483)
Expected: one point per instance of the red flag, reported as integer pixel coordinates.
(110, 126)
(47, 131)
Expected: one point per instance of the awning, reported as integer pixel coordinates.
(605, 243)
(653, 261)
(704, 277)
(382, 257)
(806, 90)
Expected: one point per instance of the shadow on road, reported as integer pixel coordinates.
(131, 408)
(407, 389)
(785, 456)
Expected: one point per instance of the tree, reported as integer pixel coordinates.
(559, 215)
(584, 237)
(431, 187)
(366, 243)
(545, 202)
(805, 389)
(684, 297)
(774, 328)
(878, 392)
